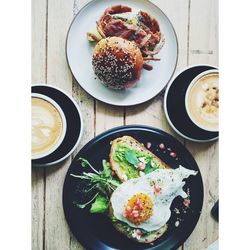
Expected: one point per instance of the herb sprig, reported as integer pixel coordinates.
(101, 183)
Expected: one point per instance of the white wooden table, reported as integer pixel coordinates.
(196, 24)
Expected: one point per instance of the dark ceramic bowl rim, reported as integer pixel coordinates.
(165, 103)
(81, 129)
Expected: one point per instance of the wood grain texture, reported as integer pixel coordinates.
(85, 102)
(39, 29)
(203, 35)
(39, 41)
(87, 107)
(37, 208)
(196, 25)
(203, 48)
(108, 116)
(57, 233)
(206, 230)
(178, 13)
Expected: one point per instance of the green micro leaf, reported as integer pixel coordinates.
(148, 169)
(100, 205)
(106, 169)
(130, 156)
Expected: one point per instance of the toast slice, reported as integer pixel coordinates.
(127, 230)
(150, 237)
(125, 170)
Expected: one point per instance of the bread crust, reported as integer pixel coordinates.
(152, 236)
(117, 62)
(134, 144)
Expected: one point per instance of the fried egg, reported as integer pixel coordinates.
(145, 202)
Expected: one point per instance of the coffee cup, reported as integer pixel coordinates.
(48, 126)
(202, 101)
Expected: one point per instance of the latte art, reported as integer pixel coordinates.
(202, 102)
(47, 126)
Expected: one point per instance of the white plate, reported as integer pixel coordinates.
(79, 55)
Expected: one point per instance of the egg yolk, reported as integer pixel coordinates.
(139, 208)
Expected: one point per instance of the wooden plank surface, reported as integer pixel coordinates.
(203, 35)
(57, 233)
(196, 25)
(203, 49)
(39, 29)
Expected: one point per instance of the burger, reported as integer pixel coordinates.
(126, 41)
(117, 62)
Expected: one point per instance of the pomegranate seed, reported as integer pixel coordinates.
(186, 202)
(136, 207)
(138, 202)
(173, 154)
(135, 211)
(161, 146)
(128, 209)
(136, 215)
(141, 166)
(138, 232)
(149, 145)
(139, 205)
(157, 189)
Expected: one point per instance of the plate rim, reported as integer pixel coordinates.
(112, 103)
(165, 103)
(142, 128)
(49, 164)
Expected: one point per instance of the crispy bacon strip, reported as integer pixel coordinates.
(156, 50)
(149, 21)
(146, 35)
(117, 9)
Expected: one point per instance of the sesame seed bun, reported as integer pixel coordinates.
(117, 62)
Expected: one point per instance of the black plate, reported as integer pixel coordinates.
(174, 104)
(96, 231)
(74, 125)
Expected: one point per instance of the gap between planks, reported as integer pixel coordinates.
(46, 82)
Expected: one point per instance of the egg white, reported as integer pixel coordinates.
(171, 183)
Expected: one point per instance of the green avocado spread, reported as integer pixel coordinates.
(129, 159)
